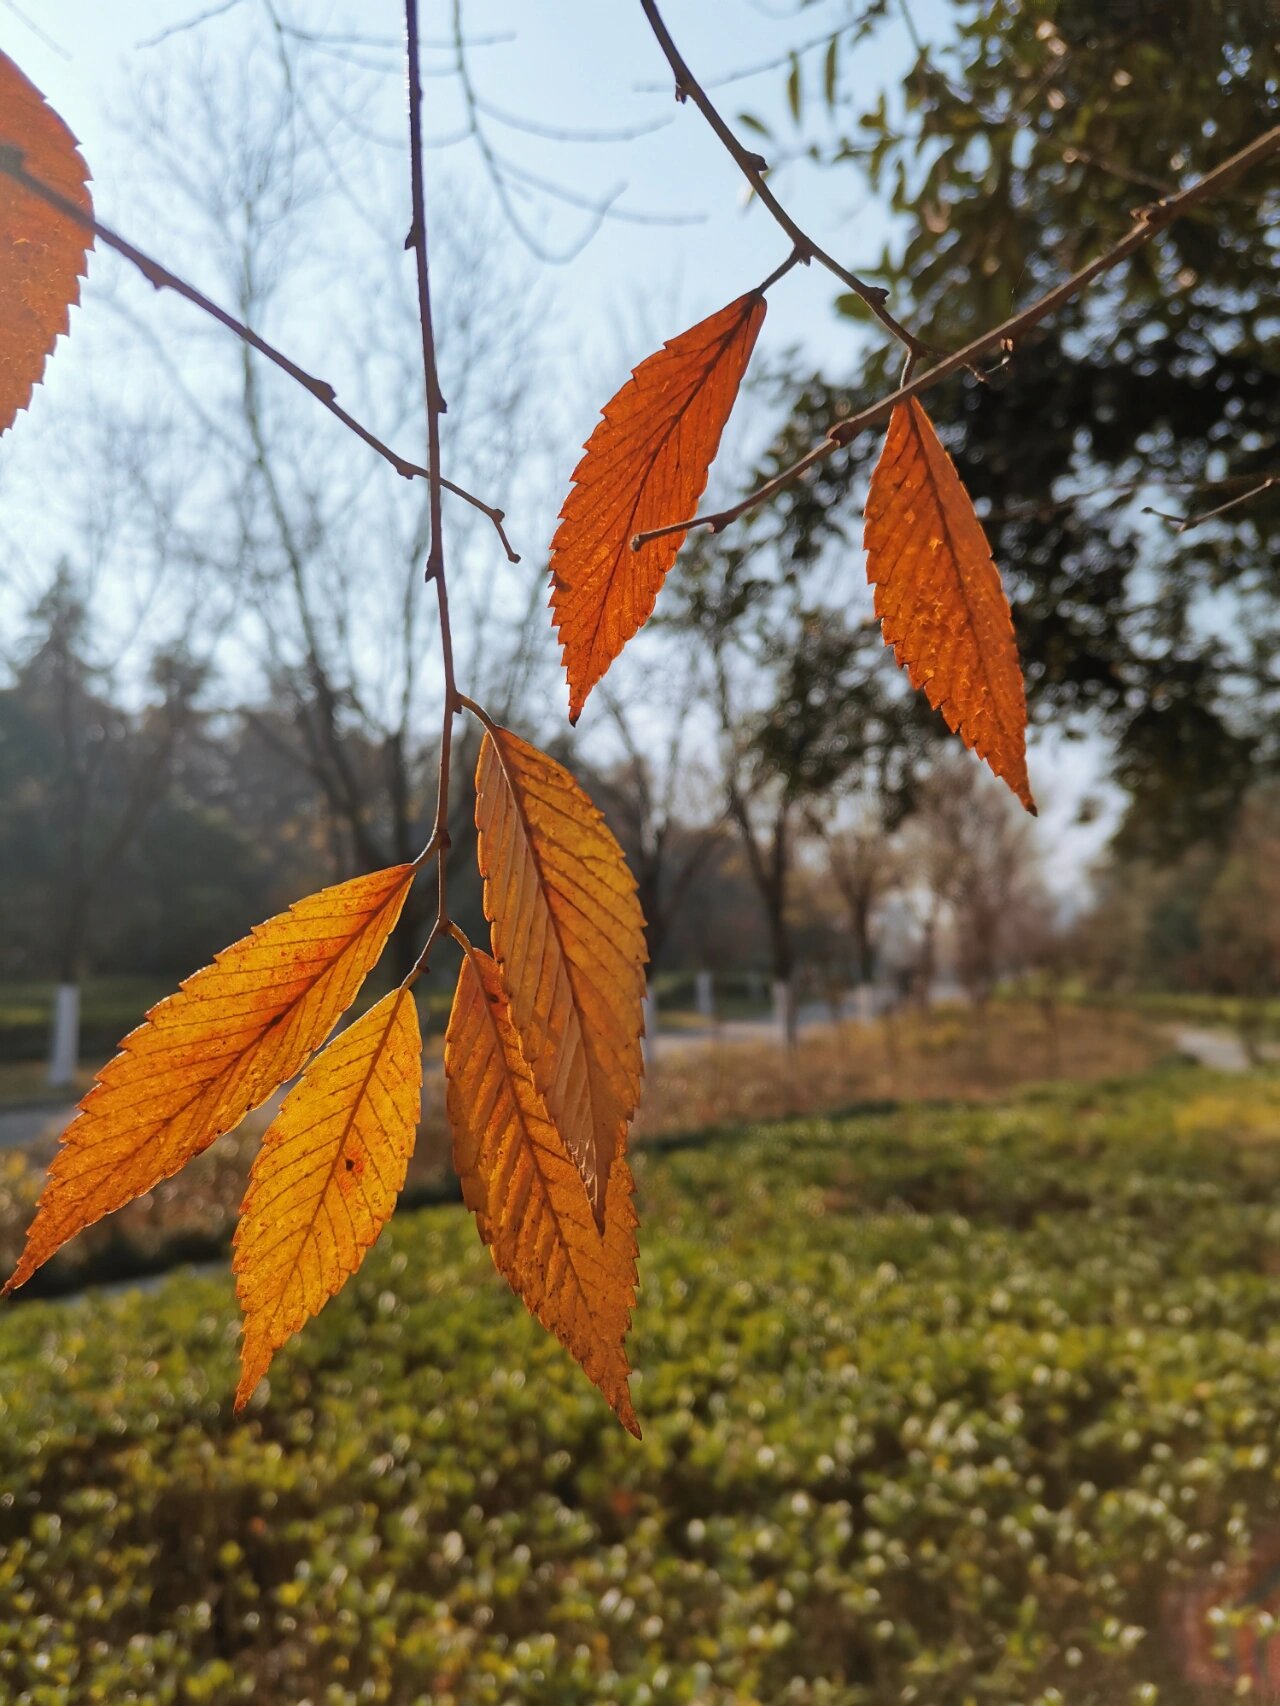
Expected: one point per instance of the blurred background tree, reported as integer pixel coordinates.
(1019, 148)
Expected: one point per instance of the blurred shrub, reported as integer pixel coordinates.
(940, 1406)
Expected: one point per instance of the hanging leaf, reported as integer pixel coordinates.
(569, 936)
(235, 1032)
(646, 463)
(43, 254)
(529, 1200)
(326, 1178)
(939, 596)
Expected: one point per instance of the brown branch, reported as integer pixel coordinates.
(1114, 494)
(1148, 221)
(1184, 524)
(435, 552)
(162, 279)
(753, 167)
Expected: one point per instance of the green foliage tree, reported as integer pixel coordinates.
(1024, 141)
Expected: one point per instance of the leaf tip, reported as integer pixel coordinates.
(1019, 784)
(26, 1265)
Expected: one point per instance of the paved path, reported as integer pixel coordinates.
(1221, 1050)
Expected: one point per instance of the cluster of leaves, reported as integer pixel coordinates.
(543, 1049)
(969, 1402)
(542, 1053)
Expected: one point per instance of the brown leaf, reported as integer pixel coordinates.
(235, 1032)
(529, 1200)
(569, 936)
(43, 254)
(939, 596)
(327, 1177)
(646, 463)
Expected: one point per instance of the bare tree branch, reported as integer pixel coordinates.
(162, 279)
(435, 553)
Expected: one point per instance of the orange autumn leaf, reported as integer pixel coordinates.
(940, 599)
(43, 253)
(234, 1032)
(529, 1200)
(646, 463)
(327, 1177)
(569, 935)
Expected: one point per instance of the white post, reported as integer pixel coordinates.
(704, 994)
(64, 1046)
(782, 1016)
(649, 1041)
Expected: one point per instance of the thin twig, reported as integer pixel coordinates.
(1184, 524)
(565, 133)
(1115, 495)
(160, 277)
(435, 408)
(753, 167)
(191, 23)
(49, 42)
(505, 176)
(1148, 221)
(605, 205)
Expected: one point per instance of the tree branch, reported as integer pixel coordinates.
(1148, 221)
(1184, 524)
(162, 279)
(753, 167)
(435, 408)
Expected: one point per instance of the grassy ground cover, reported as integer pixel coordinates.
(942, 1405)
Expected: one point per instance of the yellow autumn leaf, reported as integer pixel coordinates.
(529, 1199)
(327, 1177)
(569, 936)
(234, 1032)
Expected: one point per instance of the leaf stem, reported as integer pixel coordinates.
(1147, 222)
(161, 278)
(435, 570)
(794, 259)
(479, 712)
